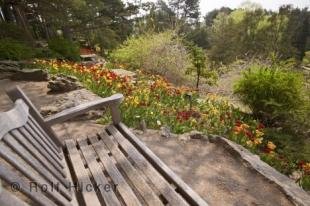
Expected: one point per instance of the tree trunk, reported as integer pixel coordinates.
(67, 32)
(198, 79)
(22, 20)
(7, 11)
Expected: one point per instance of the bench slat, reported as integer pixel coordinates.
(30, 126)
(97, 173)
(36, 124)
(38, 167)
(122, 186)
(23, 186)
(33, 136)
(90, 198)
(8, 199)
(162, 185)
(134, 175)
(38, 156)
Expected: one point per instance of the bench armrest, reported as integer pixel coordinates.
(112, 102)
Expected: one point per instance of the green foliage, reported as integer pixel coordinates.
(306, 59)
(305, 182)
(66, 48)
(271, 93)
(14, 50)
(255, 32)
(10, 30)
(161, 53)
(199, 64)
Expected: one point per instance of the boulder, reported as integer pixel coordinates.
(197, 135)
(124, 73)
(192, 135)
(49, 110)
(30, 75)
(62, 83)
(165, 132)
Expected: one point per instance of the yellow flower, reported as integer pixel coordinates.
(244, 126)
(249, 143)
(271, 146)
(306, 167)
(258, 141)
(259, 133)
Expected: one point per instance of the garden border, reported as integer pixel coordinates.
(295, 194)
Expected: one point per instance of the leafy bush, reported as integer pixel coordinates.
(66, 48)
(47, 53)
(156, 53)
(271, 93)
(14, 50)
(9, 30)
(306, 59)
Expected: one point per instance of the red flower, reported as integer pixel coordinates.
(238, 123)
(260, 126)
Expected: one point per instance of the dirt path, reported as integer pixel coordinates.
(214, 173)
(208, 168)
(225, 85)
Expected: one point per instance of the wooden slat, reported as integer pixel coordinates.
(90, 198)
(73, 191)
(34, 152)
(134, 175)
(8, 199)
(122, 187)
(97, 173)
(184, 189)
(16, 117)
(31, 127)
(161, 184)
(38, 168)
(34, 137)
(35, 195)
(16, 93)
(82, 108)
(36, 124)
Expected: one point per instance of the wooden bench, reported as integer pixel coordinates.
(110, 168)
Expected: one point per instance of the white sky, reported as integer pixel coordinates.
(208, 5)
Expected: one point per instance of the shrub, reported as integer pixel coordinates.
(156, 53)
(66, 48)
(271, 93)
(9, 30)
(14, 50)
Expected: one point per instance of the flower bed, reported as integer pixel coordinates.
(152, 99)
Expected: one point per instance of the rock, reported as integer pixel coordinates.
(48, 110)
(30, 75)
(142, 125)
(9, 66)
(192, 135)
(184, 137)
(165, 132)
(197, 135)
(212, 138)
(124, 73)
(296, 175)
(62, 83)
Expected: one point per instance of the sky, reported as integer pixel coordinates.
(209, 5)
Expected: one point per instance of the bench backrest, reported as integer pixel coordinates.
(31, 162)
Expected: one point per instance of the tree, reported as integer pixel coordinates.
(186, 10)
(210, 16)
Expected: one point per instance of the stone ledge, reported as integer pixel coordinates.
(296, 194)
